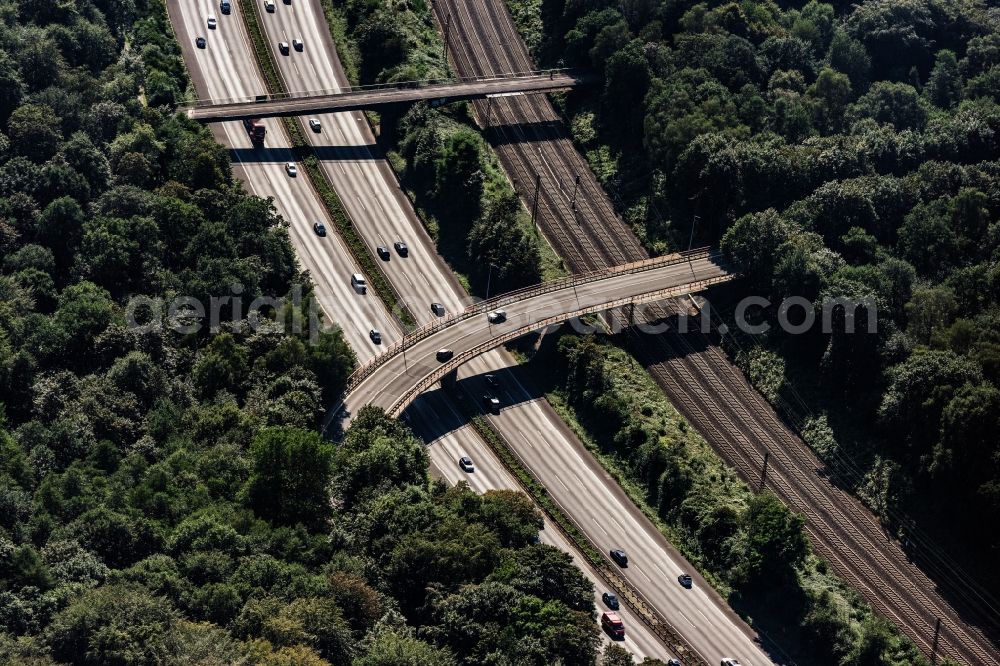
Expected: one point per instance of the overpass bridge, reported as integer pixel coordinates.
(377, 96)
(394, 378)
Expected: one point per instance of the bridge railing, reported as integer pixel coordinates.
(656, 295)
(372, 87)
(482, 307)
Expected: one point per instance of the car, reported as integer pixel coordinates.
(287, 2)
(200, 42)
(383, 252)
(401, 248)
(613, 624)
(212, 23)
(729, 661)
(291, 169)
(375, 336)
(444, 355)
(283, 47)
(673, 662)
(491, 403)
(315, 125)
(269, 6)
(465, 462)
(225, 7)
(610, 600)
(685, 580)
(319, 228)
(437, 309)
(619, 556)
(297, 44)
(497, 316)
(359, 284)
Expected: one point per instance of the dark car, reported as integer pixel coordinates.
(444, 355)
(200, 42)
(283, 48)
(437, 309)
(375, 336)
(619, 556)
(465, 462)
(685, 580)
(673, 662)
(610, 600)
(319, 228)
(383, 252)
(491, 403)
(401, 248)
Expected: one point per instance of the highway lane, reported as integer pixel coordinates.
(224, 68)
(426, 415)
(425, 277)
(563, 465)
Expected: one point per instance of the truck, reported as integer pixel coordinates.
(255, 130)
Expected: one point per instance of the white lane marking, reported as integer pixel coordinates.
(528, 442)
(687, 618)
(601, 526)
(644, 574)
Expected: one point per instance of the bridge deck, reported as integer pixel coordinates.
(394, 378)
(298, 104)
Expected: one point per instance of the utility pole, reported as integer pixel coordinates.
(489, 109)
(763, 473)
(447, 34)
(489, 277)
(694, 221)
(534, 206)
(576, 184)
(934, 646)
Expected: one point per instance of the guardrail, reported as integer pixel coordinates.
(659, 294)
(482, 307)
(395, 85)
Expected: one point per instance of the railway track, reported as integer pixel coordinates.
(580, 222)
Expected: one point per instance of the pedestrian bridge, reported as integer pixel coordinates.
(394, 378)
(377, 96)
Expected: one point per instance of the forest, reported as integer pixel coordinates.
(165, 496)
(831, 149)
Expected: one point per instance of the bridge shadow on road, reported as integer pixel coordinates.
(265, 155)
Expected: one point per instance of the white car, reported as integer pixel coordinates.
(212, 23)
(291, 169)
(729, 661)
(315, 125)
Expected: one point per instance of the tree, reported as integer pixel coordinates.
(919, 389)
(498, 238)
(290, 478)
(397, 647)
(848, 55)
(832, 90)
(615, 655)
(755, 243)
(776, 543)
(34, 132)
(944, 87)
(898, 104)
(114, 625)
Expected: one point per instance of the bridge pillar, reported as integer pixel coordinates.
(450, 380)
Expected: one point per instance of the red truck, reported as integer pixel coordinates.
(612, 623)
(255, 130)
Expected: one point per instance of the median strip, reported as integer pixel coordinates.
(377, 279)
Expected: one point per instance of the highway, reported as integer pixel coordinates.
(915, 589)
(224, 68)
(382, 214)
(325, 101)
(394, 378)
(372, 197)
